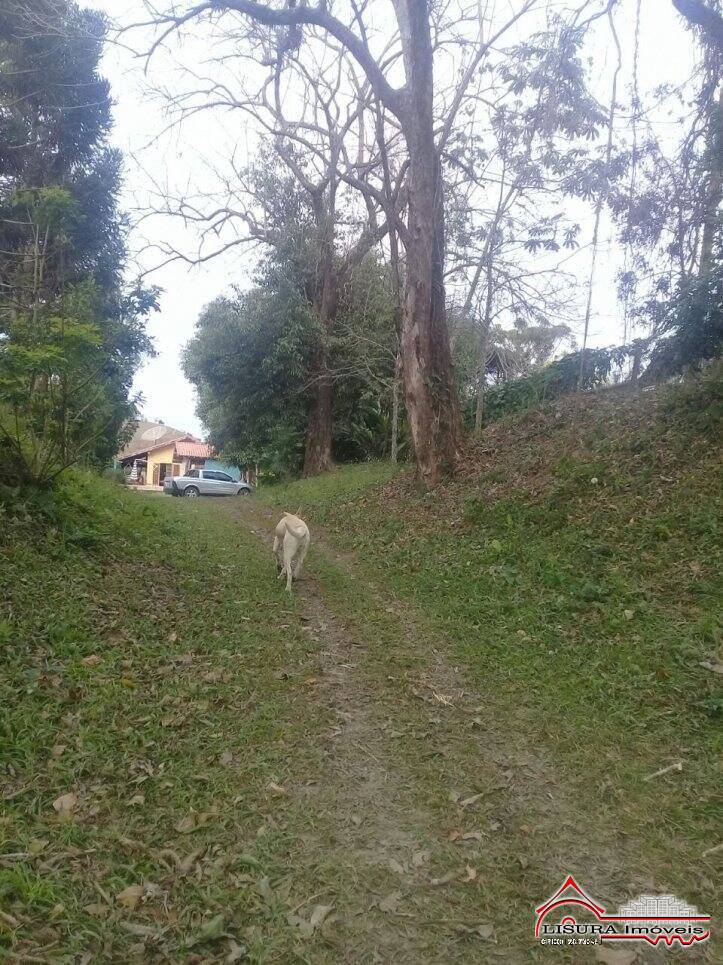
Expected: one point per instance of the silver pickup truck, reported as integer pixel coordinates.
(205, 482)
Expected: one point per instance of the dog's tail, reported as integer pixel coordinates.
(300, 532)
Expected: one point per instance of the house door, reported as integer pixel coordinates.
(156, 475)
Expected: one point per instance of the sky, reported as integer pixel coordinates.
(182, 158)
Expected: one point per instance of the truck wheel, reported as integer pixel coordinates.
(191, 492)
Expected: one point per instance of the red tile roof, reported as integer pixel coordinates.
(196, 450)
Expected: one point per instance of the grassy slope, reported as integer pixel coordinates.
(140, 670)
(574, 570)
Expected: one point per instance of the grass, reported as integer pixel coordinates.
(193, 763)
(574, 570)
(150, 668)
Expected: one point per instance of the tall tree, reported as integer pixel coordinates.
(307, 123)
(670, 218)
(425, 126)
(72, 335)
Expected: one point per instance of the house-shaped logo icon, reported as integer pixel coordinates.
(649, 918)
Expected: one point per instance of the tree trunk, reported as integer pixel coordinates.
(394, 453)
(317, 456)
(482, 346)
(711, 218)
(430, 392)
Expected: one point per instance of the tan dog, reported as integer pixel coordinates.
(291, 544)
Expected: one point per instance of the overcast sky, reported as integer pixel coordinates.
(665, 57)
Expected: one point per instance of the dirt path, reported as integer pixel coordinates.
(362, 805)
(455, 830)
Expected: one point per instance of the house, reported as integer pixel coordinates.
(156, 451)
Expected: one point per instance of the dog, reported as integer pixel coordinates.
(291, 544)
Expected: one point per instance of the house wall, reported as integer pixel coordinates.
(158, 456)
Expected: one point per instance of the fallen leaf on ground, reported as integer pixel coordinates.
(137, 799)
(471, 874)
(304, 927)
(391, 902)
(58, 750)
(130, 845)
(97, 910)
(131, 895)
(225, 758)
(420, 857)
(92, 660)
(187, 824)
(319, 914)
(466, 802)
(473, 836)
(211, 930)
(713, 667)
(185, 864)
(275, 788)
(66, 803)
(235, 951)
(444, 880)
(265, 889)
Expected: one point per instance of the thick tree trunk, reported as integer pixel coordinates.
(317, 456)
(394, 452)
(430, 392)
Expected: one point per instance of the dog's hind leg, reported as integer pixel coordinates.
(277, 554)
(288, 568)
(300, 558)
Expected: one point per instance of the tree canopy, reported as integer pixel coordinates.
(71, 332)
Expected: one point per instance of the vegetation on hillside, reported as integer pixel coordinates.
(575, 566)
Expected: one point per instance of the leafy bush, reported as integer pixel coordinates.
(559, 378)
(692, 324)
(114, 474)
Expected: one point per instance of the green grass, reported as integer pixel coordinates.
(150, 666)
(574, 571)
